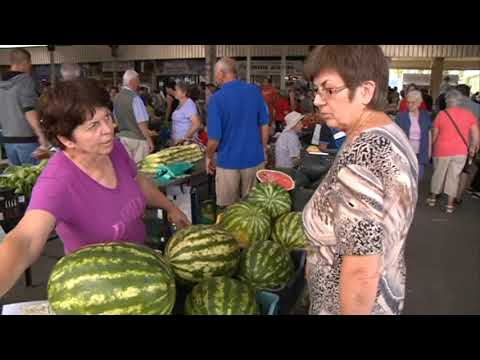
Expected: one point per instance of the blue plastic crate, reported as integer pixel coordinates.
(268, 303)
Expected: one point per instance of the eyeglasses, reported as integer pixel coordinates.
(327, 93)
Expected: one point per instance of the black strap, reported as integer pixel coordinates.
(458, 130)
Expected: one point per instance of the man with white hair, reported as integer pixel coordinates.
(238, 128)
(132, 118)
(70, 72)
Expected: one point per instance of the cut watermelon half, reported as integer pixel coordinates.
(276, 177)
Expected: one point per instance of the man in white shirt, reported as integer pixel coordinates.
(288, 146)
(132, 118)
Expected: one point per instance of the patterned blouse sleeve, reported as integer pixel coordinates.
(358, 215)
(369, 194)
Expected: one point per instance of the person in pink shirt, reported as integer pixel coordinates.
(451, 148)
(89, 192)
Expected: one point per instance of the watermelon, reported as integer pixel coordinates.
(221, 296)
(112, 279)
(247, 223)
(281, 179)
(288, 231)
(266, 266)
(275, 199)
(200, 252)
(298, 177)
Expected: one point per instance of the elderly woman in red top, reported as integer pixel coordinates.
(455, 135)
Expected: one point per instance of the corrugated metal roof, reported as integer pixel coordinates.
(101, 53)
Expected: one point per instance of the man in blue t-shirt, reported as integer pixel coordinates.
(238, 129)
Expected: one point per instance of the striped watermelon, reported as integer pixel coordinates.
(112, 279)
(266, 266)
(221, 296)
(271, 196)
(288, 231)
(247, 223)
(200, 252)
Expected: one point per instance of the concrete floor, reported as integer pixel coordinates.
(443, 262)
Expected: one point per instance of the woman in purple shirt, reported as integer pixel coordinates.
(89, 192)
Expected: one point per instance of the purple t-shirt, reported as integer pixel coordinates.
(86, 211)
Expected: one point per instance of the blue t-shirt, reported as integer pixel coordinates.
(235, 115)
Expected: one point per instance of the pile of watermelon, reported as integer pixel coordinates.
(223, 266)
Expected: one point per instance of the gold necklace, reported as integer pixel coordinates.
(357, 127)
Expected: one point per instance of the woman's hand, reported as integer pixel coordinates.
(177, 217)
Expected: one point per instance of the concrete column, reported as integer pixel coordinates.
(51, 50)
(154, 75)
(114, 49)
(436, 78)
(210, 60)
(249, 63)
(283, 67)
(389, 62)
(114, 72)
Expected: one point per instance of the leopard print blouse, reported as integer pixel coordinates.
(364, 206)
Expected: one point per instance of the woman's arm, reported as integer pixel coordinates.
(156, 199)
(359, 284)
(23, 245)
(475, 136)
(434, 136)
(196, 123)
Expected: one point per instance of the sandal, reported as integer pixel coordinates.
(431, 201)
(450, 209)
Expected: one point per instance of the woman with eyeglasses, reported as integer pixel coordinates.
(357, 221)
(89, 192)
(416, 124)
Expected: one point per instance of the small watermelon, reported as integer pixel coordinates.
(288, 231)
(247, 223)
(266, 266)
(200, 252)
(275, 199)
(221, 296)
(112, 279)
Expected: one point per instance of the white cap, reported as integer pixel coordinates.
(293, 119)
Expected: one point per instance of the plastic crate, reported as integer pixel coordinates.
(12, 208)
(289, 293)
(268, 303)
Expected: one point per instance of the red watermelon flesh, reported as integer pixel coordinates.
(276, 177)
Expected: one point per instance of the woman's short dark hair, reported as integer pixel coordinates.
(66, 106)
(184, 88)
(355, 64)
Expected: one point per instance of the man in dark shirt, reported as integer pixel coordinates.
(172, 102)
(21, 132)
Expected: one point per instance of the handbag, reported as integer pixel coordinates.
(469, 161)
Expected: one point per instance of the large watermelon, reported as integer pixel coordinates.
(288, 231)
(271, 196)
(200, 252)
(221, 296)
(247, 223)
(266, 266)
(112, 279)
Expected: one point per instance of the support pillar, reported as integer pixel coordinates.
(283, 67)
(436, 77)
(249, 64)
